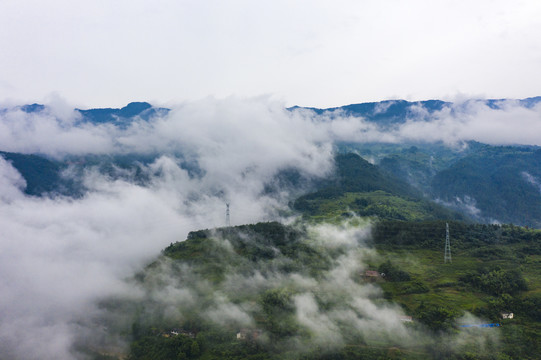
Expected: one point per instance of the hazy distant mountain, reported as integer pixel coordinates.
(140, 109)
(383, 113)
(389, 112)
(119, 116)
(41, 175)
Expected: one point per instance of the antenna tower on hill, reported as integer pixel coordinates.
(447, 256)
(227, 219)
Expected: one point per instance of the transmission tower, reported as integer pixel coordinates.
(447, 256)
(227, 219)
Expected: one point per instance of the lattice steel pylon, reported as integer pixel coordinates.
(227, 219)
(447, 256)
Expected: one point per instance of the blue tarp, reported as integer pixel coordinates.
(482, 325)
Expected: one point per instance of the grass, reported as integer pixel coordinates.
(442, 280)
(375, 204)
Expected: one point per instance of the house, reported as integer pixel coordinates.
(507, 315)
(242, 334)
(371, 275)
(249, 334)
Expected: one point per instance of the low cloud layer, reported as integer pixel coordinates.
(475, 120)
(509, 124)
(234, 132)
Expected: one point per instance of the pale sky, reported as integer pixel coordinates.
(306, 52)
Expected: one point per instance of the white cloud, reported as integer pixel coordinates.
(475, 120)
(59, 255)
(509, 124)
(531, 179)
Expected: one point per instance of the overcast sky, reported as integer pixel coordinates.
(305, 52)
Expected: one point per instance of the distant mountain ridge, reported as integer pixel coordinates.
(143, 110)
(384, 112)
(388, 112)
(119, 116)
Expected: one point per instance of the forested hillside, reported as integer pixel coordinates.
(502, 183)
(269, 291)
(361, 188)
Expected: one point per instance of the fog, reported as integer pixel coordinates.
(510, 123)
(60, 255)
(332, 308)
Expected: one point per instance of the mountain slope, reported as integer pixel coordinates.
(362, 188)
(245, 292)
(500, 183)
(41, 175)
(488, 183)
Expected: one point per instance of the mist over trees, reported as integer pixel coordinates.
(101, 210)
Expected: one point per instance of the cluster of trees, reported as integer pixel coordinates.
(392, 272)
(436, 317)
(431, 235)
(496, 281)
(158, 347)
(269, 244)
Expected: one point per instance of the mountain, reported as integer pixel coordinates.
(32, 108)
(484, 182)
(497, 184)
(418, 164)
(45, 176)
(390, 112)
(383, 113)
(118, 116)
(363, 189)
(142, 110)
(42, 175)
